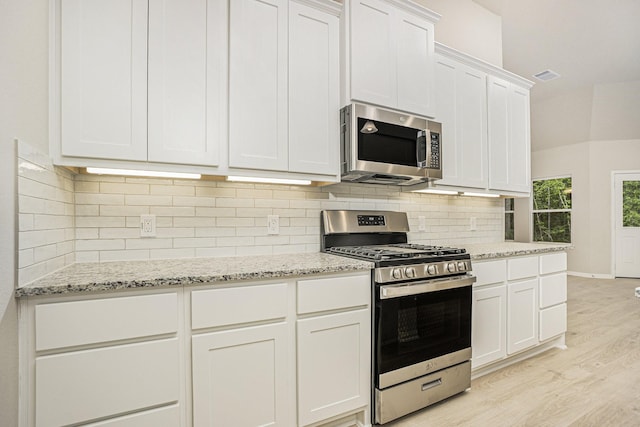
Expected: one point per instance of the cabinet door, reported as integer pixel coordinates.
(553, 321)
(461, 107)
(334, 368)
(187, 45)
(314, 89)
(240, 377)
(519, 140)
(498, 131)
(104, 79)
(258, 84)
(488, 334)
(373, 53)
(509, 136)
(415, 66)
(522, 315)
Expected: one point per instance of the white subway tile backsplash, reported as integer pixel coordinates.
(66, 217)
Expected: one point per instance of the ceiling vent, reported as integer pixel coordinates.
(546, 75)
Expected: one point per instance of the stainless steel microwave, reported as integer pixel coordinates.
(381, 146)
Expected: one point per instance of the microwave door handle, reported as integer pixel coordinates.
(422, 149)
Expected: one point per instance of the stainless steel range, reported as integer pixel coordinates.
(421, 327)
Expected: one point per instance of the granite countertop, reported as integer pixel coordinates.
(87, 277)
(480, 251)
(92, 277)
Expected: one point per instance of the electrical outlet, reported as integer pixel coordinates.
(422, 223)
(273, 224)
(147, 226)
(473, 223)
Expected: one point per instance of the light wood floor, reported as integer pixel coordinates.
(595, 382)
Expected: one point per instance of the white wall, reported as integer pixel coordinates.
(468, 27)
(23, 114)
(595, 131)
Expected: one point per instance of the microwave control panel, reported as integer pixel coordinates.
(435, 151)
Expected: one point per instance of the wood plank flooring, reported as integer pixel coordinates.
(595, 382)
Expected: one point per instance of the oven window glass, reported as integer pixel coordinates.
(417, 328)
(390, 144)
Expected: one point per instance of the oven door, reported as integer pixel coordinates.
(421, 327)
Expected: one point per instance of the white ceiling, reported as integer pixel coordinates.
(586, 41)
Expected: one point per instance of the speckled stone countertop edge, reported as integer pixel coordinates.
(69, 281)
(112, 276)
(511, 249)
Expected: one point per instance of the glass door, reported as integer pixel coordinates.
(627, 225)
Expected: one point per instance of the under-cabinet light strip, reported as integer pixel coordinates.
(480, 194)
(132, 172)
(269, 180)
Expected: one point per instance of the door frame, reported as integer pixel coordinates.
(614, 173)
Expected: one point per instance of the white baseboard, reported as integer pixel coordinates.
(590, 275)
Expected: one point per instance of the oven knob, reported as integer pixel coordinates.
(410, 272)
(432, 270)
(451, 267)
(396, 273)
(462, 266)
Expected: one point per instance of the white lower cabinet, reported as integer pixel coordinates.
(333, 365)
(489, 326)
(522, 315)
(519, 303)
(259, 349)
(240, 377)
(112, 360)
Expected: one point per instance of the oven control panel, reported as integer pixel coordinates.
(369, 220)
(422, 271)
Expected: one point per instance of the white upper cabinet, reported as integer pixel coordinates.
(314, 95)
(509, 136)
(258, 84)
(186, 81)
(484, 111)
(142, 81)
(461, 100)
(284, 86)
(391, 55)
(103, 102)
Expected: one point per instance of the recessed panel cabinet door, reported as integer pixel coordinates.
(314, 89)
(334, 368)
(498, 122)
(519, 140)
(522, 315)
(240, 377)
(258, 84)
(373, 53)
(415, 54)
(461, 107)
(489, 334)
(104, 79)
(187, 45)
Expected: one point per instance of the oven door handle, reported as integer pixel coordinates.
(415, 288)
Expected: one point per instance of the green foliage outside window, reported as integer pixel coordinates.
(552, 210)
(631, 203)
(508, 219)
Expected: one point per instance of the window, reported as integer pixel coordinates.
(631, 203)
(552, 210)
(508, 219)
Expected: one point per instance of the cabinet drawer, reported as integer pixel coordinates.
(168, 416)
(553, 289)
(333, 293)
(86, 385)
(107, 319)
(553, 321)
(552, 263)
(229, 306)
(519, 268)
(490, 272)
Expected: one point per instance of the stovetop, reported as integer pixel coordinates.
(381, 237)
(400, 251)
